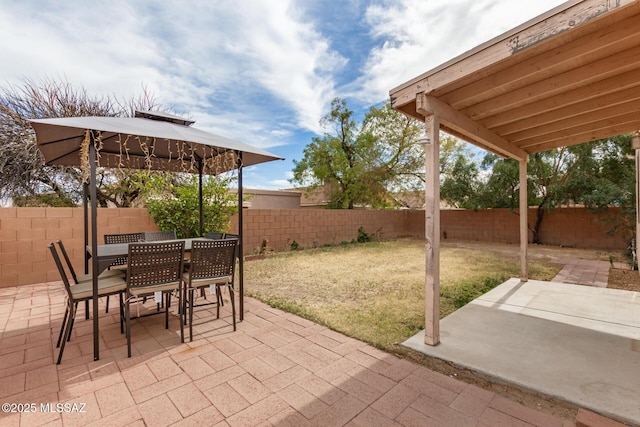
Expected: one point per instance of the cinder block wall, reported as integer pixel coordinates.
(25, 232)
(279, 228)
(571, 227)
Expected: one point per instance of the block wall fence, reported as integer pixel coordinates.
(25, 232)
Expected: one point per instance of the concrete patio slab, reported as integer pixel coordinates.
(577, 343)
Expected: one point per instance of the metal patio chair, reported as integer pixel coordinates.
(82, 278)
(156, 236)
(214, 235)
(82, 292)
(212, 263)
(154, 267)
(121, 262)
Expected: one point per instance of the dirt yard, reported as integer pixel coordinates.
(628, 280)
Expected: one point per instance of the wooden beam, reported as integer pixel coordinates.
(576, 125)
(524, 221)
(547, 64)
(580, 76)
(620, 83)
(618, 129)
(547, 27)
(432, 231)
(624, 99)
(428, 105)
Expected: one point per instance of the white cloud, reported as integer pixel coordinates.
(417, 36)
(289, 58)
(256, 71)
(191, 55)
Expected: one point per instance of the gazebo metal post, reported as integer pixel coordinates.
(200, 195)
(94, 243)
(85, 201)
(241, 234)
(85, 205)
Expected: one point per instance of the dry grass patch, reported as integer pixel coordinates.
(375, 291)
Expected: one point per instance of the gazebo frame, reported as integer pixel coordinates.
(150, 140)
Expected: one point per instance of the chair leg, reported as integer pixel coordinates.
(67, 332)
(219, 301)
(166, 310)
(180, 303)
(121, 313)
(183, 311)
(73, 319)
(127, 315)
(233, 305)
(65, 320)
(107, 308)
(190, 314)
(86, 310)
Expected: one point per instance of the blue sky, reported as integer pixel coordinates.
(262, 72)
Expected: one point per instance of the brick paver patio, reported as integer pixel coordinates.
(276, 369)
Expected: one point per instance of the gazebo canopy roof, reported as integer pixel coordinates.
(569, 76)
(150, 140)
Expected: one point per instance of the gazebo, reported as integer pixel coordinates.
(150, 140)
(569, 76)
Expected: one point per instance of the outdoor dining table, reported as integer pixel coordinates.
(106, 254)
(109, 253)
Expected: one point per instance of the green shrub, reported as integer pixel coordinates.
(363, 237)
(173, 203)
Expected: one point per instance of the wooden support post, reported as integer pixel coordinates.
(524, 229)
(637, 207)
(635, 144)
(432, 231)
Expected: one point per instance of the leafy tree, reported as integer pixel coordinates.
(605, 176)
(597, 174)
(23, 175)
(362, 165)
(459, 180)
(173, 203)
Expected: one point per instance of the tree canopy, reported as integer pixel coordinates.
(363, 165)
(23, 176)
(173, 203)
(596, 174)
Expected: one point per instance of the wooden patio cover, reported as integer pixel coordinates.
(569, 76)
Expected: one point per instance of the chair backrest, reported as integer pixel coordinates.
(68, 261)
(63, 275)
(154, 236)
(214, 235)
(152, 264)
(212, 258)
(112, 239)
(234, 236)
